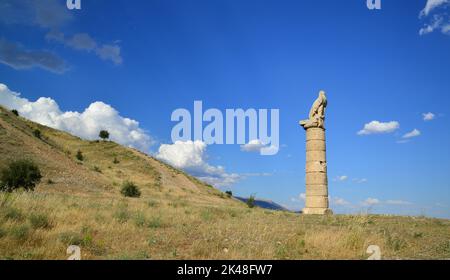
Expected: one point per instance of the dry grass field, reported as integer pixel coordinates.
(176, 217)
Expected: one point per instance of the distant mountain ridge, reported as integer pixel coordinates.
(266, 204)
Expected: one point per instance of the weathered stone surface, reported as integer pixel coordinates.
(316, 166)
(317, 211)
(314, 156)
(317, 190)
(315, 134)
(315, 145)
(316, 201)
(316, 178)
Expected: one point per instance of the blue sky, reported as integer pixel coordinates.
(144, 59)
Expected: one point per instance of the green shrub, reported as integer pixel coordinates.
(139, 219)
(155, 222)
(152, 203)
(40, 221)
(129, 189)
(15, 112)
(116, 161)
(79, 155)
(20, 174)
(11, 213)
(37, 133)
(122, 215)
(229, 193)
(20, 232)
(251, 201)
(71, 238)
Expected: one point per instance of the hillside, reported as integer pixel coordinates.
(177, 216)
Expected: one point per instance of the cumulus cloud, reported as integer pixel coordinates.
(398, 202)
(17, 57)
(371, 202)
(375, 201)
(110, 52)
(252, 146)
(431, 5)
(82, 41)
(412, 134)
(337, 201)
(360, 180)
(87, 124)
(376, 127)
(428, 116)
(264, 174)
(341, 178)
(440, 19)
(344, 178)
(191, 157)
(255, 146)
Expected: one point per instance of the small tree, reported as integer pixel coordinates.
(104, 134)
(15, 112)
(79, 155)
(229, 193)
(20, 174)
(129, 189)
(251, 201)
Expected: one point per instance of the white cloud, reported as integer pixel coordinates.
(360, 181)
(191, 157)
(371, 202)
(439, 20)
(446, 29)
(428, 116)
(302, 196)
(398, 202)
(96, 117)
(376, 127)
(341, 178)
(264, 174)
(411, 134)
(435, 23)
(257, 145)
(110, 52)
(431, 5)
(82, 41)
(339, 201)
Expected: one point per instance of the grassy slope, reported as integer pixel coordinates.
(177, 216)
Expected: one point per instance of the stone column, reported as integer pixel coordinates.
(316, 173)
(316, 159)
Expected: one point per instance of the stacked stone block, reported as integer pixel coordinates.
(316, 173)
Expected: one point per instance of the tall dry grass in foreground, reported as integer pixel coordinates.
(43, 225)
